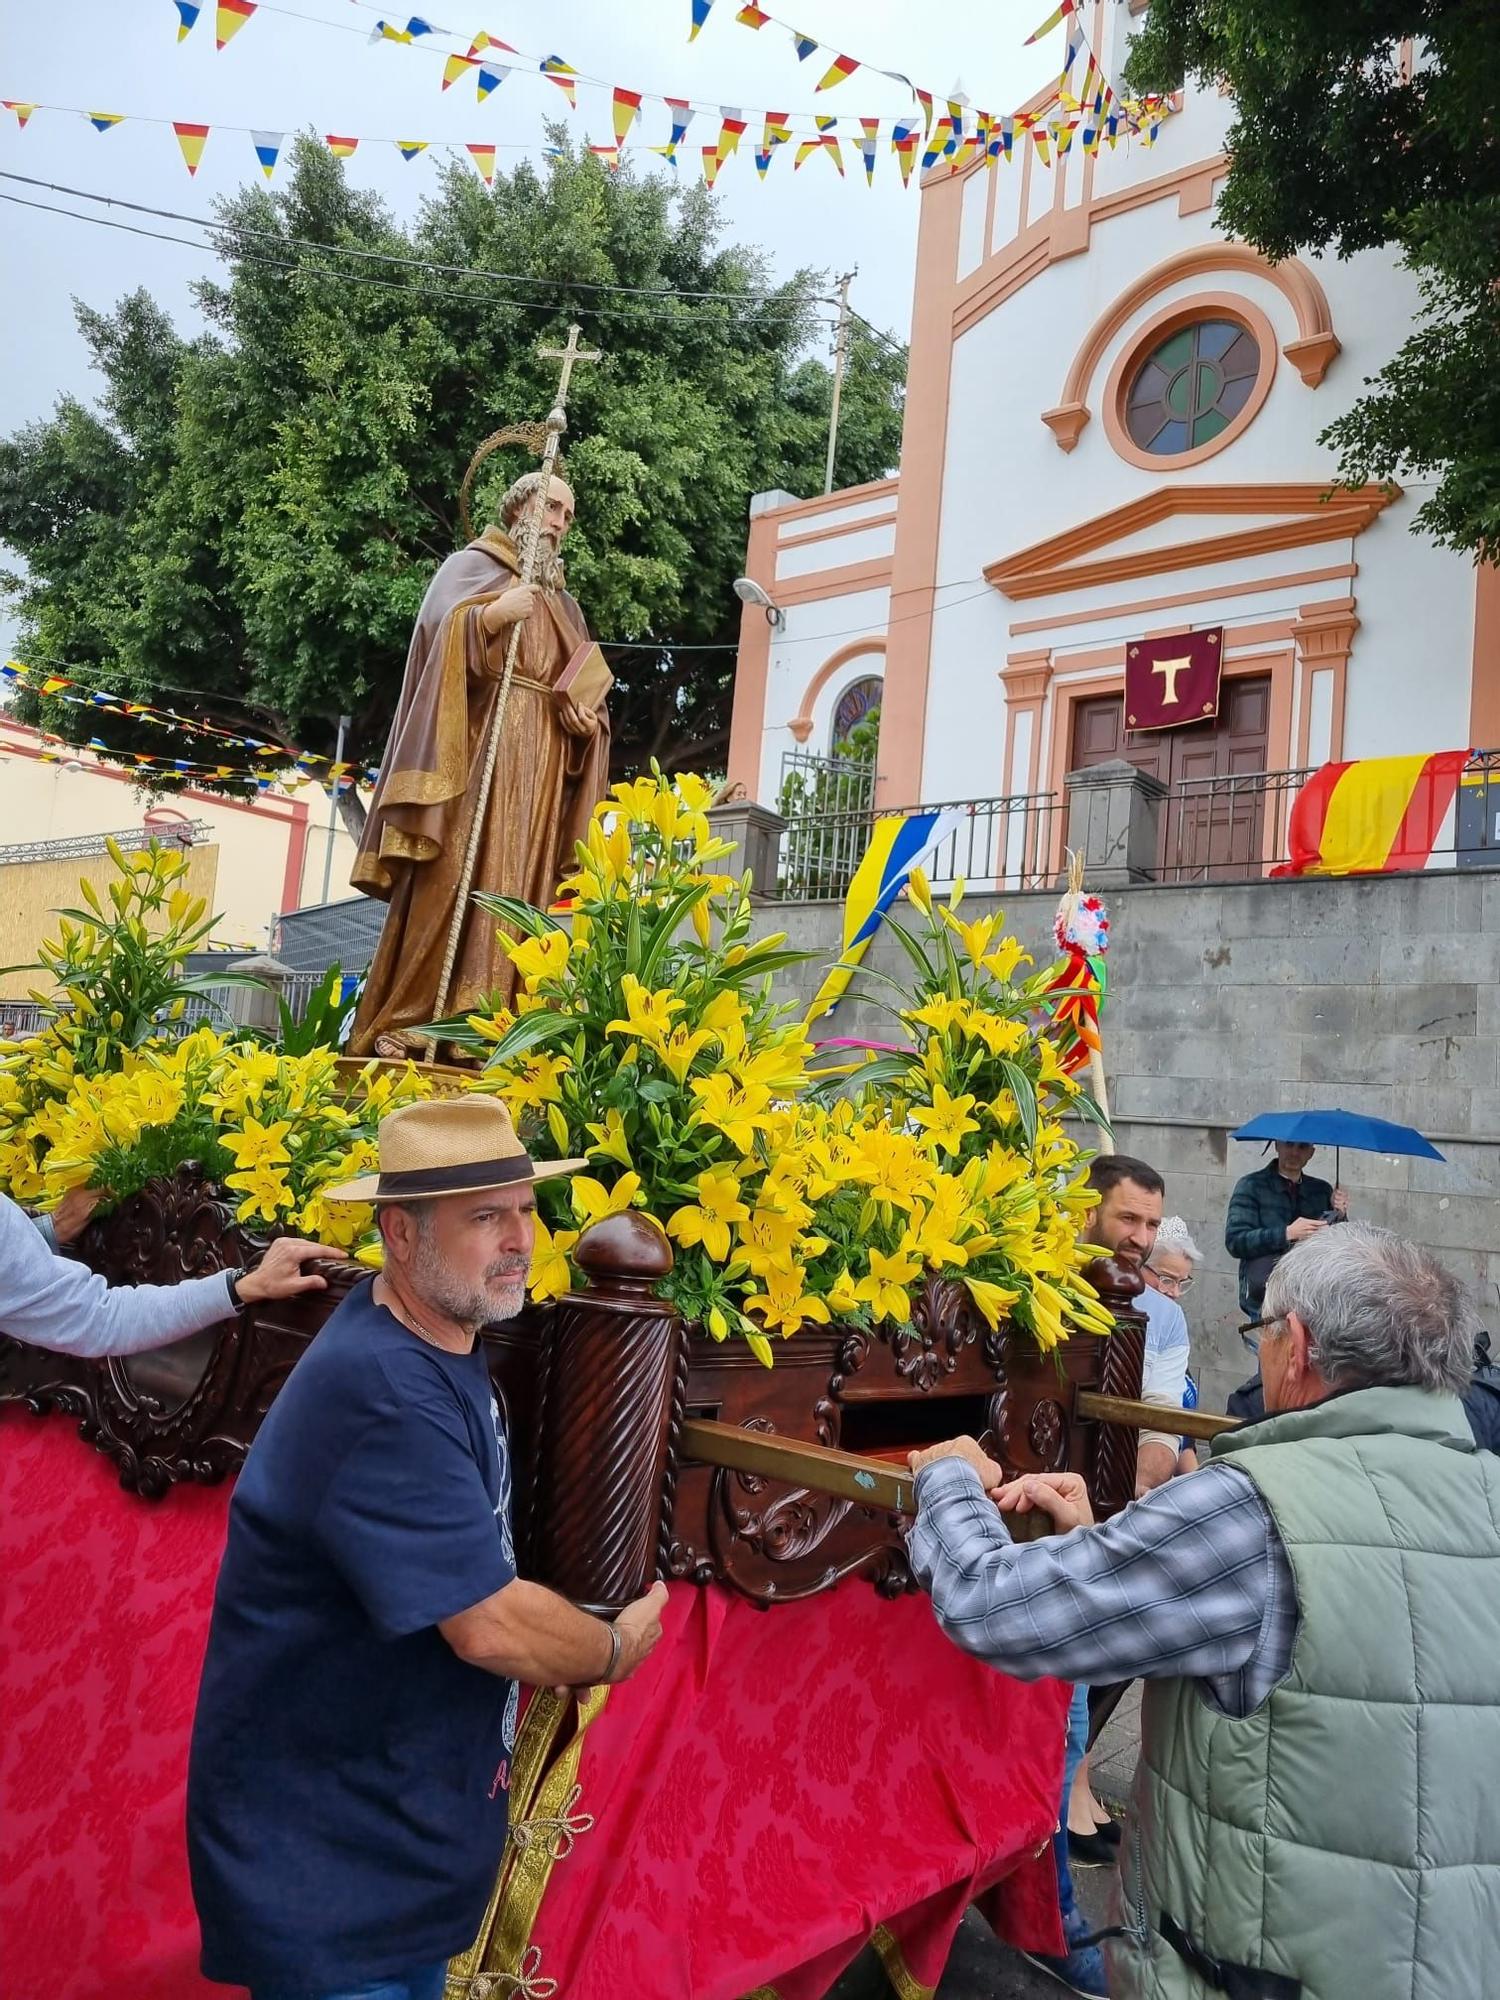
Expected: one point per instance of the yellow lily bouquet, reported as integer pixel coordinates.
(111, 1093)
(644, 1035)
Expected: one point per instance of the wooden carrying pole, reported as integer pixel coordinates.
(876, 1482)
(531, 539)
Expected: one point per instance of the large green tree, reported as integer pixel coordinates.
(253, 515)
(1366, 123)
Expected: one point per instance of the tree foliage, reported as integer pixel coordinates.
(1370, 123)
(254, 514)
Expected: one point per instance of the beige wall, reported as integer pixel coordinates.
(31, 891)
(271, 853)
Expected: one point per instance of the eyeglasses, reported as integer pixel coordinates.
(1175, 1286)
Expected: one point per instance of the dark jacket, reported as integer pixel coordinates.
(1481, 1400)
(1264, 1204)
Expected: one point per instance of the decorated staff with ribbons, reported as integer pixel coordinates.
(497, 757)
(1081, 928)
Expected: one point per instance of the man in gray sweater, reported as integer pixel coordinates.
(49, 1301)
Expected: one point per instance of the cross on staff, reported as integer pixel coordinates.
(531, 536)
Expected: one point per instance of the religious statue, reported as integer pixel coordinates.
(492, 770)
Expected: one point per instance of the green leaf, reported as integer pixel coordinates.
(1023, 1090)
(884, 1069)
(524, 917)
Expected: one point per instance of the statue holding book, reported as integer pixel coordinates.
(490, 647)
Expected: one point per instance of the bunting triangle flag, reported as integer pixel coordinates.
(23, 111)
(609, 156)
(563, 75)
(192, 139)
(837, 70)
(384, 31)
(454, 68)
(267, 150)
(103, 121)
(752, 17)
(1059, 13)
(230, 17)
(763, 162)
(627, 108)
(340, 148)
(187, 17)
(487, 80)
(826, 144)
(904, 145)
(409, 148)
(777, 132)
(682, 116)
(483, 158)
(701, 11)
(1039, 140)
(731, 131)
(667, 152)
(869, 140)
(713, 159)
(803, 44)
(924, 98)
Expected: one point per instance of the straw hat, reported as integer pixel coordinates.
(448, 1145)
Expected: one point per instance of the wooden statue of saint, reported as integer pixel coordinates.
(551, 770)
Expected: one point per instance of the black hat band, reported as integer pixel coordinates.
(455, 1180)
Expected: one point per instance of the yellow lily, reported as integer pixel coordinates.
(592, 1201)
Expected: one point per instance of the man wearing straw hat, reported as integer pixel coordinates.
(356, 1718)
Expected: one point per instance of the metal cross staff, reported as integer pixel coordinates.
(531, 537)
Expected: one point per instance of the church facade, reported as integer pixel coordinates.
(1111, 435)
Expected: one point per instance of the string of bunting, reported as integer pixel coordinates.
(310, 768)
(953, 135)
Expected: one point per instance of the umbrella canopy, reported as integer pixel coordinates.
(1339, 1128)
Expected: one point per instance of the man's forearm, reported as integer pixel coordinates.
(528, 1633)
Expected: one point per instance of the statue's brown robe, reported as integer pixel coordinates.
(546, 785)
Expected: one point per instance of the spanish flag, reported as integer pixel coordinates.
(1374, 816)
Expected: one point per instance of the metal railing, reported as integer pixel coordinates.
(1234, 827)
(131, 838)
(1005, 843)
(1226, 828)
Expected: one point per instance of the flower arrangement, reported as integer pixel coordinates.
(111, 1094)
(644, 1035)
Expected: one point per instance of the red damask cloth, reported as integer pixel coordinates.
(773, 1788)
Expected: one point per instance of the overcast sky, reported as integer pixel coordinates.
(310, 63)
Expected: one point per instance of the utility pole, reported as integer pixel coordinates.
(840, 356)
(333, 806)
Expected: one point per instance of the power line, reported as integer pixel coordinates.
(422, 294)
(391, 257)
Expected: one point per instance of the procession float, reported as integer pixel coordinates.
(786, 1267)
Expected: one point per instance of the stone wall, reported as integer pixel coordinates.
(1380, 996)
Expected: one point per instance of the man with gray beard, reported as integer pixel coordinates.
(356, 1718)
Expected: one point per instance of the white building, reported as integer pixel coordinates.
(1051, 507)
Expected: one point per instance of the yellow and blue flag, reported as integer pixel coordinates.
(897, 844)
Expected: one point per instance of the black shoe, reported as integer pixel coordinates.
(1111, 1830)
(1093, 1850)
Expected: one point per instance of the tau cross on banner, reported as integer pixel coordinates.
(1172, 681)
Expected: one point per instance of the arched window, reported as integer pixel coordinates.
(854, 706)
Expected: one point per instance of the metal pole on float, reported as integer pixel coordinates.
(333, 805)
(840, 357)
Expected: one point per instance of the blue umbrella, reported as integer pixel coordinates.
(1338, 1129)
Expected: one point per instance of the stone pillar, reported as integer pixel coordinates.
(258, 1006)
(1114, 821)
(756, 833)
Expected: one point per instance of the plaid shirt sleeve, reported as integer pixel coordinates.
(1191, 1582)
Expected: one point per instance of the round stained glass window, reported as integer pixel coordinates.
(1190, 387)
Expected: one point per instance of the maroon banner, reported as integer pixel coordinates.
(1173, 680)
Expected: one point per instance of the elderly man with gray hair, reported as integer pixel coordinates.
(1318, 1613)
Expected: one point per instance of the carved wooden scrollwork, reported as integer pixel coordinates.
(942, 1325)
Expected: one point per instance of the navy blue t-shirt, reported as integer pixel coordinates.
(348, 1777)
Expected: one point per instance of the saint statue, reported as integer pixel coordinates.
(551, 770)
